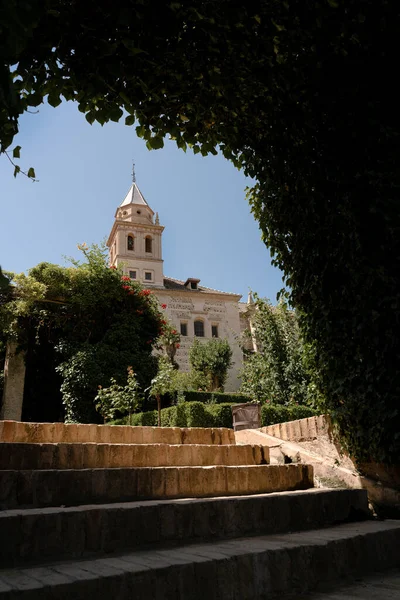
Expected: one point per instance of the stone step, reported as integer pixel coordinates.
(56, 433)
(91, 456)
(49, 533)
(71, 487)
(252, 568)
(381, 586)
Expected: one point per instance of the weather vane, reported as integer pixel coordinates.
(133, 172)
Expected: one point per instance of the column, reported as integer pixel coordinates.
(14, 381)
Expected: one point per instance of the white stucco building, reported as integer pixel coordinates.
(135, 242)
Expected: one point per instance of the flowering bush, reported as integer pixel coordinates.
(168, 340)
(91, 323)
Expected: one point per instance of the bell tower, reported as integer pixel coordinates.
(135, 240)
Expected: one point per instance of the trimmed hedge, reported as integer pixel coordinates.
(216, 397)
(277, 413)
(198, 414)
(169, 399)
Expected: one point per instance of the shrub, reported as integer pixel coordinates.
(146, 419)
(221, 415)
(181, 418)
(302, 412)
(168, 417)
(217, 397)
(277, 413)
(198, 414)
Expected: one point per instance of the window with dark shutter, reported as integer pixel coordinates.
(183, 328)
(214, 330)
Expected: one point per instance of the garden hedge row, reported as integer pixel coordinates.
(198, 414)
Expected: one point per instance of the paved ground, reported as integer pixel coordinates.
(381, 586)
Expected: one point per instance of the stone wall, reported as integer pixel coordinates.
(302, 430)
(223, 311)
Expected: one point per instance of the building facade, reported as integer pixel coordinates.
(135, 243)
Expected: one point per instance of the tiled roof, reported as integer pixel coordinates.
(177, 284)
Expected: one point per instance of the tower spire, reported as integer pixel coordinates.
(133, 173)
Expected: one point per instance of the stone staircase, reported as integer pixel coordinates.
(107, 512)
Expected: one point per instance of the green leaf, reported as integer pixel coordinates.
(130, 120)
(54, 99)
(156, 143)
(16, 170)
(130, 45)
(115, 114)
(141, 131)
(16, 152)
(90, 117)
(34, 99)
(31, 173)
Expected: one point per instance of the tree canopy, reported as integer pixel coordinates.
(80, 326)
(277, 372)
(211, 360)
(298, 95)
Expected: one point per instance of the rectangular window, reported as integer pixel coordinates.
(183, 328)
(147, 276)
(199, 328)
(214, 330)
(132, 274)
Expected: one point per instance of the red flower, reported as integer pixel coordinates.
(164, 322)
(132, 292)
(125, 278)
(139, 312)
(174, 331)
(149, 342)
(126, 287)
(163, 306)
(113, 267)
(178, 345)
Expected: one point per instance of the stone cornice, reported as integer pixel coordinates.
(224, 296)
(124, 258)
(120, 224)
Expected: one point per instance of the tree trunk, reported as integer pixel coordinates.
(159, 409)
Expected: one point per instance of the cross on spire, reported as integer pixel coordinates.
(133, 173)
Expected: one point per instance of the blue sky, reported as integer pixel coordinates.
(84, 173)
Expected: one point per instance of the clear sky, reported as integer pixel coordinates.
(84, 173)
